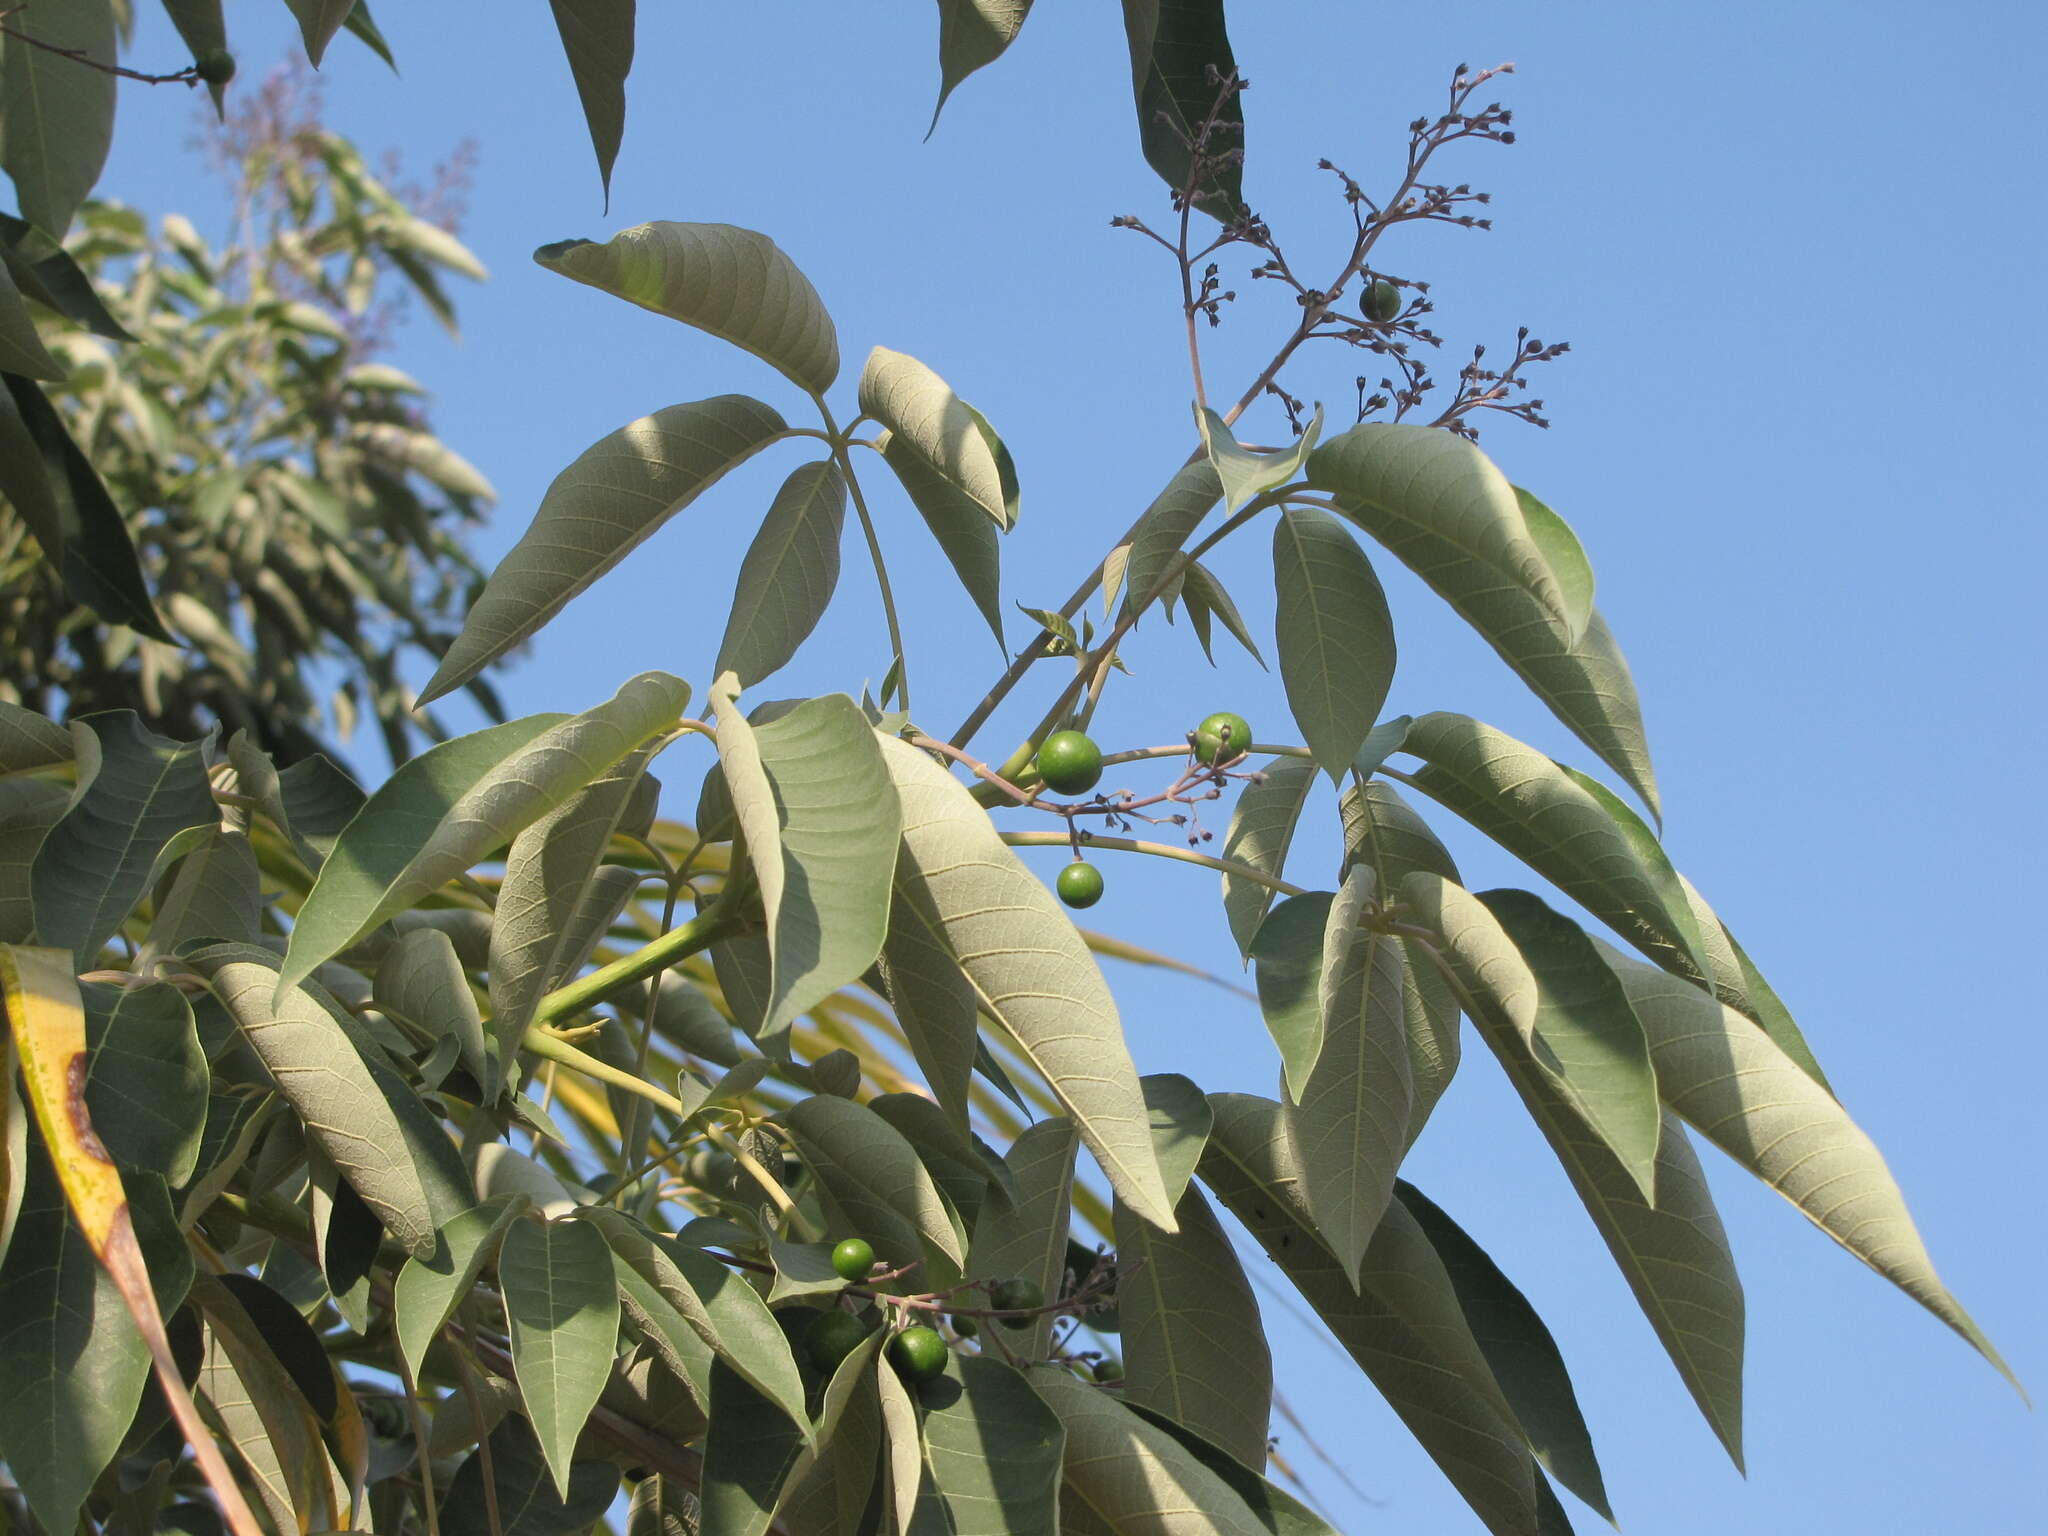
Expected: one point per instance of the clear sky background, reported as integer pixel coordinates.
(1796, 250)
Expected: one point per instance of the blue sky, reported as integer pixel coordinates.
(1796, 252)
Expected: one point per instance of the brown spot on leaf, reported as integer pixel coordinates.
(75, 1110)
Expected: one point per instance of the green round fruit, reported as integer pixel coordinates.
(1382, 302)
(1016, 1295)
(1079, 884)
(831, 1338)
(1107, 1369)
(1069, 763)
(216, 66)
(711, 1171)
(1222, 738)
(918, 1353)
(965, 1326)
(852, 1259)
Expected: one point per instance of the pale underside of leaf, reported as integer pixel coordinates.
(1261, 829)
(788, 576)
(1334, 635)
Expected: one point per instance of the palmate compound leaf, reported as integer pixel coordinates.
(1031, 971)
(597, 39)
(821, 821)
(1334, 635)
(972, 34)
(456, 803)
(1124, 1476)
(732, 282)
(615, 495)
(1261, 829)
(991, 1450)
(1731, 1081)
(1028, 1238)
(942, 432)
(1193, 1345)
(562, 1310)
(1402, 1326)
(787, 577)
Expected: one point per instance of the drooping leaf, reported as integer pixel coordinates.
(1028, 1238)
(21, 348)
(1261, 829)
(145, 1076)
(827, 1492)
(1565, 556)
(615, 495)
(1279, 1512)
(1335, 636)
(991, 1451)
(877, 1179)
(421, 981)
(1458, 1419)
(973, 33)
(429, 1289)
(1179, 52)
(1672, 894)
(932, 997)
(786, 580)
(141, 798)
(217, 894)
(51, 275)
(526, 1500)
(1031, 970)
(355, 1108)
(454, 804)
(1193, 1345)
(750, 1451)
(1350, 1120)
(1729, 1079)
(1126, 1477)
(942, 432)
(319, 20)
(1519, 1349)
(1180, 1119)
(57, 114)
(820, 816)
(1205, 599)
(902, 1452)
(1533, 808)
(971, 543)
(732, 282)
(1287, 965)
(1245, 473)
(597, 37)
(563, 1315)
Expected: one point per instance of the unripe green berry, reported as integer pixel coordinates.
(1079, 884)
(853, 1259)
(918, 1353)
(1382, 302)
(1069, 763)
(965, 1326)
(216, 66)
(1222, 738)
(831, 1338)
(1019, 1294)
(1107, 1369)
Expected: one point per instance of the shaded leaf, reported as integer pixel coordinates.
(1165, 527)
(827, 1492)
(877, 1179)
(217, 894)
(429, 1289)
(1174, 48)
(1028, 1238)
(1565, 556)
(319, 20)
(145, 1076)
(932, 997)
(973, 33)
(1287, 965)
(1335, 636)
(1261, 829)
(1205, 598)
(29, 741)
(1245, 473)
(787, 577)
(21, 348)
(991, 1452)
(28, 809)
(563, 1316)
(527, 1503)
(599, 510)
(1180, 1119)
(971, 543)
(1280, 1513)
(750, 1451)
(57, 116)
(597, 37)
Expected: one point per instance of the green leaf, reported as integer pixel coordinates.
(1261, 829)
(1565, 556)
(56, 114)
(356, 1109)
(932, 997)
(29, 741)
(820, 817)
(597, 37)
(61, 497)
(1180, 1119)
(360, 24)
(1287, 966)
(1430, 1011)
(902, 1452)
(1534, 809)
(1029, 1236)
(973, 33)
(459, 802)
(51, 275)
(1280, 1513)
(1123, 1476)
(1763, 1004)
(1669, 885)
(526, 1500)
(421, 981)
(1205, 598)
(877, 1180)
(563, 1316)
(28, 809)
(73, 1363)
(429, 1288)
(828, 1490)
(971, 543)
(943, 433)
(1730, 1081)
(1193, 1346)
(719, 1307)
(142, 798)
(734, 283)
(1350, 1120)
(1335, 636)
(21, 348)
(217, 894)
(1542, 998)
(801, 1269)
(1165, 528)
(599, 510)
(145, 1076)
(750, 1451)
(534, 937)
(1245, 473)
(1031, 971)
(991, 1451)
(1417, 1354)
(319, 20)
(1174, 45)
(787, 578)
(1519, 1350)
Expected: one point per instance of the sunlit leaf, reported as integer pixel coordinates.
(973, 33)
(1335, 636)
(1261, 829)
(787, 577)
(941, 432)
(563, 1316)
(992, 1450)
(1244, 472)
(1565, 555)
(429, 1289)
